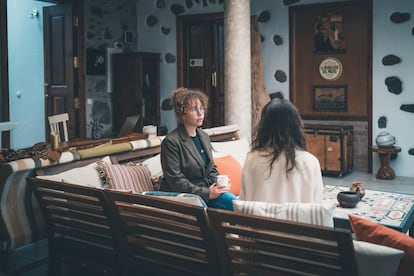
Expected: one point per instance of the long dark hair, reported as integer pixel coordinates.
(281, 130)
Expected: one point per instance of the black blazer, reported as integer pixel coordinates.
(183, 167)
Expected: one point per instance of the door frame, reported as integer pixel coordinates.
(214, 96)
(4, 76)
(78, 121)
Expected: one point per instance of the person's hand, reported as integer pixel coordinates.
(216, 190)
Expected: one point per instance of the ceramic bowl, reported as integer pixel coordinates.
(348, 199)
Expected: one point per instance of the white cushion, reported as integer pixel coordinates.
(85, 176)
(154, 165)
(237, 148)
(375, 259)
(313, 213)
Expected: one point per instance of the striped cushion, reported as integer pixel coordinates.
(135, 178)
(313, 213)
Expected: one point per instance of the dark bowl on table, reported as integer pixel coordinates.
(348, 199)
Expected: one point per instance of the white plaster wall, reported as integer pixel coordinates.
(151, 39)
(25, 46)
(393, 38)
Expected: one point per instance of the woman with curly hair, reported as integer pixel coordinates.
(186, 153)
(278, 169)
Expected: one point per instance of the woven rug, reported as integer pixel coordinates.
(386, 208)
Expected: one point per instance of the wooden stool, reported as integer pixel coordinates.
(385, 172)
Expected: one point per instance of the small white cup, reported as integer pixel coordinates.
(223, 180)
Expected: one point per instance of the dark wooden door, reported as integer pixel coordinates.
(201, 60)
(61, 66)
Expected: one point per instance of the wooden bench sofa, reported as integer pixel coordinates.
(120, 233)
(21, 221)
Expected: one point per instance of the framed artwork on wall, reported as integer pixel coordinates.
(329, 98)
(329, 38)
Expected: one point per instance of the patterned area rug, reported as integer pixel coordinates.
(386, 208)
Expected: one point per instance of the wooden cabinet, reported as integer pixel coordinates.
(332, 145)
(136, 89)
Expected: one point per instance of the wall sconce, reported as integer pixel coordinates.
(34, 14)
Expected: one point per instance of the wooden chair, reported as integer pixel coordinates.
(78, 228)
(163, 237)
(57, 123)
(253, 245)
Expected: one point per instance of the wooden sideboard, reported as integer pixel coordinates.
(332, 145)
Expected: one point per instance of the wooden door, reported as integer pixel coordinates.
(62, 85)
(4, 83)
(201, 60)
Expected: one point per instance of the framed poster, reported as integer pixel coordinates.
(330, 98)
(328, 29)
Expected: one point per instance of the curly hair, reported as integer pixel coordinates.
(280, 129)
(182, 99)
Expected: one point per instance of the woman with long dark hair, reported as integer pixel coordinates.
(278, 168)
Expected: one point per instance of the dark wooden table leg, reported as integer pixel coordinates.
(385, 172)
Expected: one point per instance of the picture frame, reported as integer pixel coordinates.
(330, 98)
(95, 61)
(328, 33)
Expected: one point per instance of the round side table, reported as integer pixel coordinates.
(384, 153)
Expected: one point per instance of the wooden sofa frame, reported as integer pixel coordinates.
(146, 235)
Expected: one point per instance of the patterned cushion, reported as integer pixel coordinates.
(135, 178)
(313, 213)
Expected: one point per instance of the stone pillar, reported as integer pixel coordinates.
(237, 70)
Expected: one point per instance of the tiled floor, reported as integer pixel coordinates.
(400, 185)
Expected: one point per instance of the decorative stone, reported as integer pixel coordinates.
(212, 1)
(276, 95)
(165, 30)
(412, 31)
(394, 85)
(400, 17)
(189, 4)
(382, 122)
(411, 151)
(169, 58)
(262, 38)
(278, 40)
(221, 1)
(280, 76)
(391, 60)
(407, 107)
(177, 9)
(204, 3)
(165, 105)
(290, 2)
(160, 4)
(264, 16)
(151, 20)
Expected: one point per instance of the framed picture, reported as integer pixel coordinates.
(328, 33)
(95, 62)
(330, 98)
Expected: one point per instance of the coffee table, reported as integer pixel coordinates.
(390, 209)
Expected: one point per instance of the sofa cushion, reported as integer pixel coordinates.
(154, 165)
(375, 259)
(313, 213)
(85, 176)
(369, 231)
(131, 177)
(237, 148)
(228, 165)
(191, 199)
